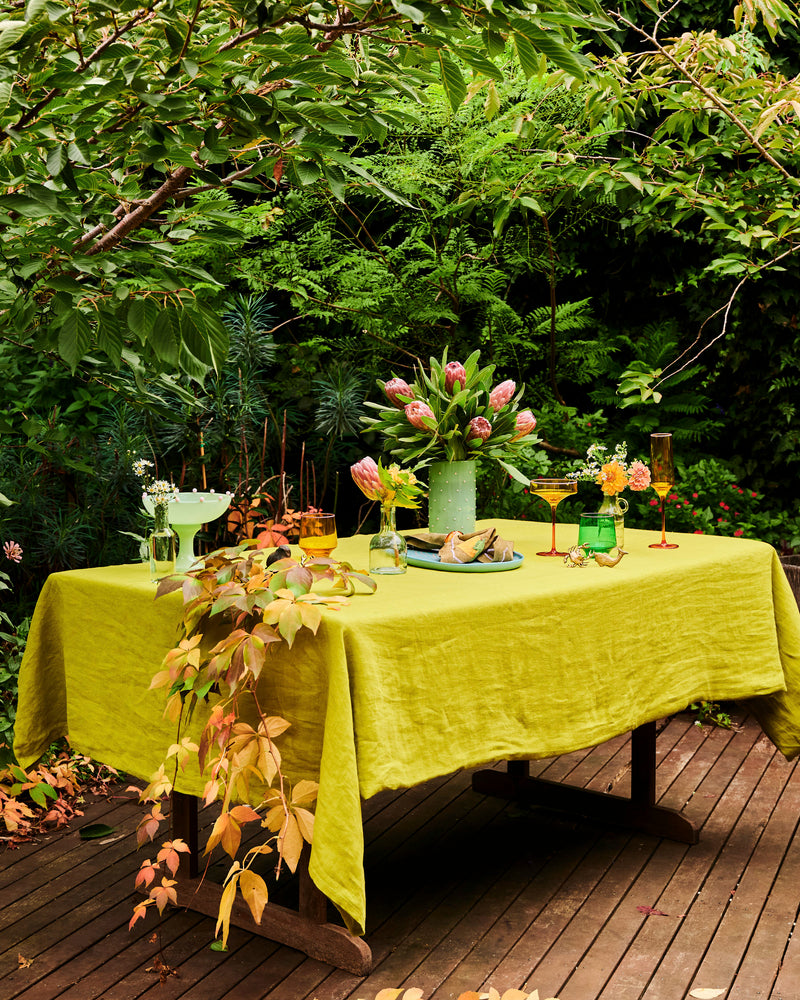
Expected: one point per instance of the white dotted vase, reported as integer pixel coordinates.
(451, 497)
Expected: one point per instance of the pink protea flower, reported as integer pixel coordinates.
(398, 387)
(526, 422)
(479, 427)
(501, 394)
(638, 476)
(454, 372)
(366, 477)
(416, 411)
(13, 551)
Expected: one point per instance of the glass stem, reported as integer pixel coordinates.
(663, 522)
(553, 511)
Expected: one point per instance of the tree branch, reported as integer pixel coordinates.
(33, 111)
(136, 218)
(707, 92)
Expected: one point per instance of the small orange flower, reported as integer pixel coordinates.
(612, 479)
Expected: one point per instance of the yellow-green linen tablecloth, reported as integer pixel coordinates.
(437, 670)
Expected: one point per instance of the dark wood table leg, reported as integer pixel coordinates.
(305, 929)
(639, 812)
(184, 827)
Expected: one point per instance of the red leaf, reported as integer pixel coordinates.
(650, 912)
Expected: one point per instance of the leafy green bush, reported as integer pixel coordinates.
(709, 500)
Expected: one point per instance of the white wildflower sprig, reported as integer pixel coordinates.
(160, 491)
(596, 457)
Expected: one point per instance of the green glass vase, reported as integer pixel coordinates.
(451, 496)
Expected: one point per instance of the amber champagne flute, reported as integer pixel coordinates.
(317, 534)
(662, 479)
(553, 491)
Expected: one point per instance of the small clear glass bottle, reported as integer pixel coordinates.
(387, 549)
(161, 544)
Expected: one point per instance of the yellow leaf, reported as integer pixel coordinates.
(413, 994)
(224, 914)
(304, 792)
(254, 891)
(24, 963)
(291, 843)
(305, 823)
(516, 995)
(706, 994)
(471, 995)
(390, 994)
(274, 726)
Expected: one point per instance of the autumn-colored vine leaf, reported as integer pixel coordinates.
(702, 993)
(225, 906)
(138, 913)
(170, 853)
(254, 892)
(394, 994)
(146, 874)
(164, 893)
(149, 824)
(650, 912)
(23, 963)
(304, 792)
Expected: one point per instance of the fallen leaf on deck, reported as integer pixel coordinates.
(651, 912)
(24, 963)
(94, 831)
(706, 994)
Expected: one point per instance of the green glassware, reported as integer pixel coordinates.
(597, 533)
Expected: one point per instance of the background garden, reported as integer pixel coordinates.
(604, 202)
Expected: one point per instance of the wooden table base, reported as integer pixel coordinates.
(305, 929)
(639, 812)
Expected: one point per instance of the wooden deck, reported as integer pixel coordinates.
(465, 892)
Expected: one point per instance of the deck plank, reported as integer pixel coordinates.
(465, 892)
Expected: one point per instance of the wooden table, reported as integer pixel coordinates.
(435, 672)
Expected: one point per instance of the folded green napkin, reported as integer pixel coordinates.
(457, 547)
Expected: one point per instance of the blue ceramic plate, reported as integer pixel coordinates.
(431, 560)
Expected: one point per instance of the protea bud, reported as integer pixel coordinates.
(365, 475)
(416, 411)
(398, 387)
(479, 427)
(524, 425)
(454, 373)
(501, 394)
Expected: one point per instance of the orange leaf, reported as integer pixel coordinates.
(244, 814)
(146, 873)
(138, 912)
(164, 893)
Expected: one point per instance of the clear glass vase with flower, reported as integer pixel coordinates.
(392, 488)
(613, 473)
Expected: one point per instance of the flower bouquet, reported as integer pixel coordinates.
(393, 487)
(613, 474)
(451, 414)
